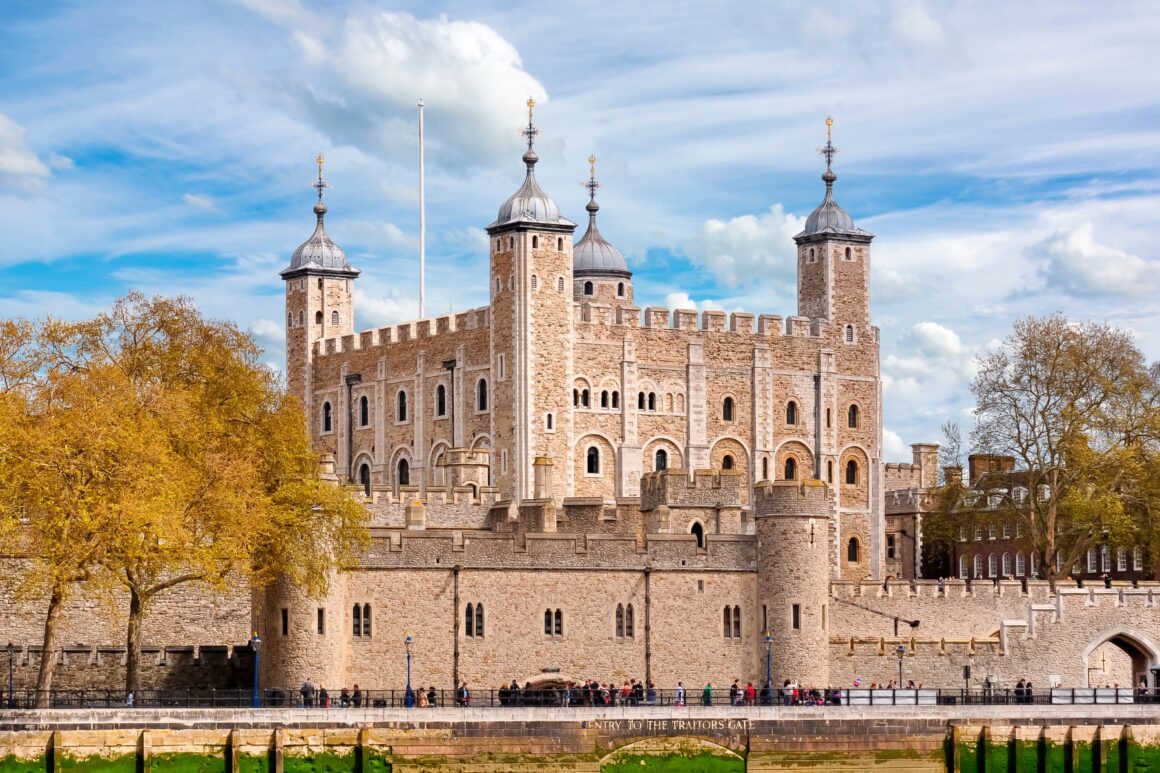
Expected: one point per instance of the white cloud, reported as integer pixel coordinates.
(935, 340)
(1075, 263)
(198, 201)
(682, 300)
(264, 328)
(18, 164)
(893, 448)
(748, 246)
(914, 24)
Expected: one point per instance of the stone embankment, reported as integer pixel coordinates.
(984, 738)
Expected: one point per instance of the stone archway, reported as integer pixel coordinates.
(1143, 653)
(629, 739)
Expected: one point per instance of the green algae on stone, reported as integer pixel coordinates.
(675, 763)
(10, 764)
(123, 764)
(187, 763)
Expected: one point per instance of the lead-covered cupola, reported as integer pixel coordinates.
(830, 221)
(598, 267)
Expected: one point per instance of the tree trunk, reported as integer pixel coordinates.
(133, 644)
(48, 650)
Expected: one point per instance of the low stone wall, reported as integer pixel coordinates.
(1047, 738)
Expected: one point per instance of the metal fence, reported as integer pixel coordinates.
(573, 697)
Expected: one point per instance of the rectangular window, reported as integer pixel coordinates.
(321, 621)
(1006, 530)
(764, 617)
(890, 550)
(503, 461)
(962, 534)
(502, 367)
(1138, 559)
(700, 586)
(796, 622)
(991, 531)
(823, 617)
(285, 621)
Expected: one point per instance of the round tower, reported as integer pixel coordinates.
(793, 577)
(303, 636)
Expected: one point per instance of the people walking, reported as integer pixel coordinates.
(679, 696)
(707, 694)
(308, 691)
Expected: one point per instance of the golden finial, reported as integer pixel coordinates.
(592, 165)
(320, 185)
(829, 126)
(531, 105)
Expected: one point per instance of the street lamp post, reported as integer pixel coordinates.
(256, 644)
(11, 649)
(901, 650)
(769, 662)
(409, 698)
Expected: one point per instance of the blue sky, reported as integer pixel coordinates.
(1006, 155)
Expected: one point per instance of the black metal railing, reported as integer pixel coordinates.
(574, 697)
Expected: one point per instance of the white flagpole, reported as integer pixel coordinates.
(422, 216)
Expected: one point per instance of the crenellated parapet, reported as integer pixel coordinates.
(407, 332)
(707, 488)
(764, 326)
(787, 498)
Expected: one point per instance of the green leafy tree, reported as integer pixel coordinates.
(1075, 405)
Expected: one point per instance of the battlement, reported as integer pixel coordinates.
(707, 488)
(404, 332)
(710, 321)
(907, 500)
(782, 498)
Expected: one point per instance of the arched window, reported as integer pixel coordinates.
(469, 620)
(560, 284)
(851, 473)
(300, 318)
(558, 623)
(727, 622)
(534, 283)
(549, 422)
(620, 289)
(401, 406)
(698, 532)
(619, 620)
(559, 244)
(829, 471)
(978, 567)
(640, 402)
(535, 242)
(366, 616)
(791, 412)
(727, 462)
(364, 411)
(604, 398)
(547, 622)
(849, 254)
(736, 622)
(440, 400)
(334, 317)
(481, 395)
(629, 623)
(765, 468)
(364, 478)
(588, 288)
(584, 397)
(790, 469)
(963, 568)
(727, 409)
(992, 565)
(662, 460)
(289, 319)
(404, 475)
(849, 334)
(593, 460)
(327, 419)
(813, 255)
(576, 398)
(1020, 565)
(479, 621)
(652, 401)
(1006, 564)
(852, 550)
(852, 417)
(615, 399)
(356, 620)
(318, 317)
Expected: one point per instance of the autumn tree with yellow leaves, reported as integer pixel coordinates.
(165, 453)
